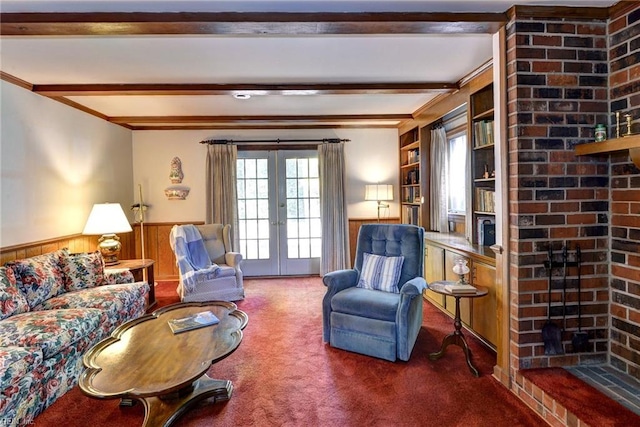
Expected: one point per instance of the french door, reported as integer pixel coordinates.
(279, 212)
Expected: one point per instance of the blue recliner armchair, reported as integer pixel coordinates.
(375, 322)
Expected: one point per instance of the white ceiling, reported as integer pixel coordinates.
(285, 59)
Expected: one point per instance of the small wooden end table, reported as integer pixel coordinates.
(144, 360)
(136, 266)
(456, 337)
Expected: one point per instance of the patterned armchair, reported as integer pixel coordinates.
(376, 308)
(209, 269)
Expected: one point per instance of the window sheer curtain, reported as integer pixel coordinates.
(333, 209)
(221, 188)
(438, 182)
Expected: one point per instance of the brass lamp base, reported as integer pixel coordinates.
(109, 246)
(380, 206)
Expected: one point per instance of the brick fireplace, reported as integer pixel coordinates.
(564, 76)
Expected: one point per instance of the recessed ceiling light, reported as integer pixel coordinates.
(241, 96)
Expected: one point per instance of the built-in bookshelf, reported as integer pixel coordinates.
(410, 175)
(483, 182)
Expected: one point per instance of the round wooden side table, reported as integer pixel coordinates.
(456, 337)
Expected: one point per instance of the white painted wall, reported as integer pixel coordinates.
(371, 156)
(55, 163)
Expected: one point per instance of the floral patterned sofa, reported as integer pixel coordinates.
(53, 308)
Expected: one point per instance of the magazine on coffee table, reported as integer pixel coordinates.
(195, 321)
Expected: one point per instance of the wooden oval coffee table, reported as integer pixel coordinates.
(144, 360)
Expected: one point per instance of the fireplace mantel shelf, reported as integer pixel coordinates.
(631, 143)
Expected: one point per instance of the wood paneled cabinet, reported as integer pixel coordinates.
(484, 318)
(434, 270)
(478, 314)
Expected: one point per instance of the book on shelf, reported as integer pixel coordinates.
(413, 156)
(485, 200)
(483, 133)
(194, 321)
(486, 229)
(411, 215)
(412, 177)
(460, 289)
(411, 194)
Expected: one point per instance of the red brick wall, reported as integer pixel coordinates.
(624, 93)
(557, 80)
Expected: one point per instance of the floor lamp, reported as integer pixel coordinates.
(379, 193)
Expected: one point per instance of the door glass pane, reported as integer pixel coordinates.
(303, 168)
(263, 249)
(292, 170)
(303, 187)
(303, 229)
(305, 249)
(314, 170)
(251, 208)
(314, 208)
(315, 227)
(263, 229)
(292, 188)
(262, 168)
(250, 168)
(316, 245)
(292, 248)
(263, 189)
(263, 209)
(292, 228)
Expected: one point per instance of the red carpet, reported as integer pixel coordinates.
(284, 375)
(573, 393)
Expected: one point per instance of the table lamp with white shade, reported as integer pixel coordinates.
(461, 269)
(105, 220)
(379, 193)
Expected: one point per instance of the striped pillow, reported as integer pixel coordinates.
(380, 273)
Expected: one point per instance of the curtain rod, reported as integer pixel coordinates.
(271, 141)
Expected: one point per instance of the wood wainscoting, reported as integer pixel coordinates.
(158, 248)
(76, 243)
(156, 243)
(354, 227)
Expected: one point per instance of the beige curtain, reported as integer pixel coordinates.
(333, 209)
(221, 187)
(438, 182)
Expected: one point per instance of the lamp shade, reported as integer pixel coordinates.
(378, 192)
(107, 218)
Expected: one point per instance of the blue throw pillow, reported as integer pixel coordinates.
(380, 273)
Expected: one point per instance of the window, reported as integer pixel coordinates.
(457, 158)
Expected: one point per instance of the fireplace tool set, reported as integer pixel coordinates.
(552, 333)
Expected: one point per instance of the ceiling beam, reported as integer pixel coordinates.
(252, 89)
(87, 110)
(245, 119)
(15, 80)
(245, 126)
(251, 23)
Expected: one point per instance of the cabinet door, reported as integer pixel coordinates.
(450, 302)
(434, 271)
(485, 308)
